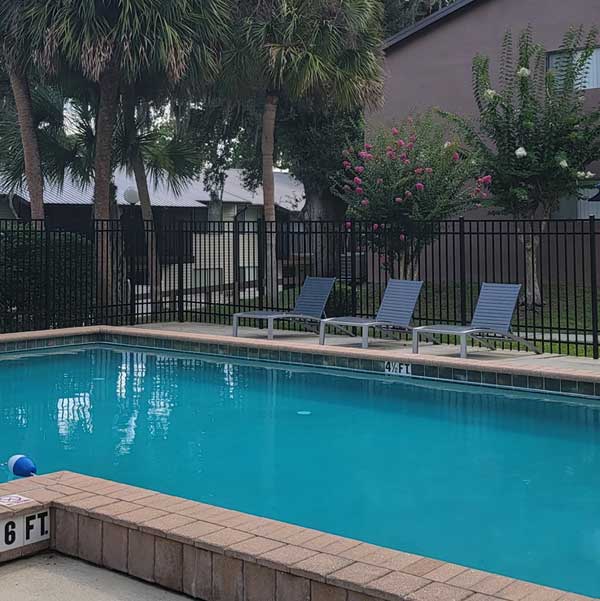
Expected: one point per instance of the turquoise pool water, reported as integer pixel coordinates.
(492, 479)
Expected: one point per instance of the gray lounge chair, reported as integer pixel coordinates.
(491, 320)
(395, 312)
(310, 306)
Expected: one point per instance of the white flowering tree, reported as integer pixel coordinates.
(535, 137)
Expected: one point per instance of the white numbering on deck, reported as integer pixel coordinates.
(24, 530)
(394, 368)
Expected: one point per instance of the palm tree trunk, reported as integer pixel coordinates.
(141, 182)
(110, 289)
(29, 139)
(105, 125)
(268, 149)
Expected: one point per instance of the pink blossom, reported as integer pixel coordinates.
(379, 181)
(348, 225)
(368, 157)
(484, 195)
(399, 200)
(363, 154)
(375, 226)
(359, 191)
(404, 156)
(359, 169)
(410, 146)
(486, 180)
(419, 170)
(478, 205)
(406, 162)
(347, 164)
(402, 237)
(408, 194)
(391, 155)
(456, 157)
(368, 146)
(364, 202)
(400, 143)
(428, 170)
(419, 186)
(413, 138)
(357, 181)
(395, 131)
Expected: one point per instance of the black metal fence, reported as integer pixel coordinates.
(206, 271)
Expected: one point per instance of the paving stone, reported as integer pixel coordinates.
(168, 564)
(251, 548)
(259, 583)
(89, 539)
(64, 532)
(395, 584)
(285, 557)
(140, 555)
(319, 566)
(227, 579)
(357, 575)
(197, 572)
(115, 543)
(291, 588)
(438, 591)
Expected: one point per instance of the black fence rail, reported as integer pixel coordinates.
(206, 271)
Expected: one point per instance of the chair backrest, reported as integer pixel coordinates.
(496, 306)
(399, 301)
(313, 296)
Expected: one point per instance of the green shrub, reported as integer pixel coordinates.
(46, 279)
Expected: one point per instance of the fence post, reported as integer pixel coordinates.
(353, 266)
(261, 235)
(594, 282)
(180, 282)
(47, 279)
(463, 283)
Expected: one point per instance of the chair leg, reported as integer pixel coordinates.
(463, 346)
(415, 343)
(270, 326)
(236, 321)
(365, 337)
(322, 333)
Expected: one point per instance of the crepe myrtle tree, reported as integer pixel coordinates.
(404, 178)
(534, 134)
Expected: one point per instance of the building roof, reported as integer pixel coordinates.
(289, 192)
(436, 17)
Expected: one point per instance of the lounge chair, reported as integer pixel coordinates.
(491, 320)
(395, 312)
(310, 306)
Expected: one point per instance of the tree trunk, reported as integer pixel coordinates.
(321, 205)
(154, 271)
(110, 288)
(531, 242)
(105, 125)
(268, 149)
(29, 139)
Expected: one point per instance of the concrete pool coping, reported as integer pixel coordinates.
(217, 554)
(516, 370)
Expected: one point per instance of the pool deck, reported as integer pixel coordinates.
(217, 554)
(53, 577)
(442, 354)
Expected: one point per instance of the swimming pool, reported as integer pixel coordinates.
(498, 480)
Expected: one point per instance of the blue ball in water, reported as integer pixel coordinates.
(22, 466)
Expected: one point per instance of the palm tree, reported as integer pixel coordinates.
(17, 62)
(298, 49)
(115, 43)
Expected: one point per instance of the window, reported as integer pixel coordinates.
(592, 77)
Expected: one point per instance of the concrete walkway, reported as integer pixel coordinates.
(566, 364)
(54, 577)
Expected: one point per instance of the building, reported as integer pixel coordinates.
(69, 207)
(429, 64)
